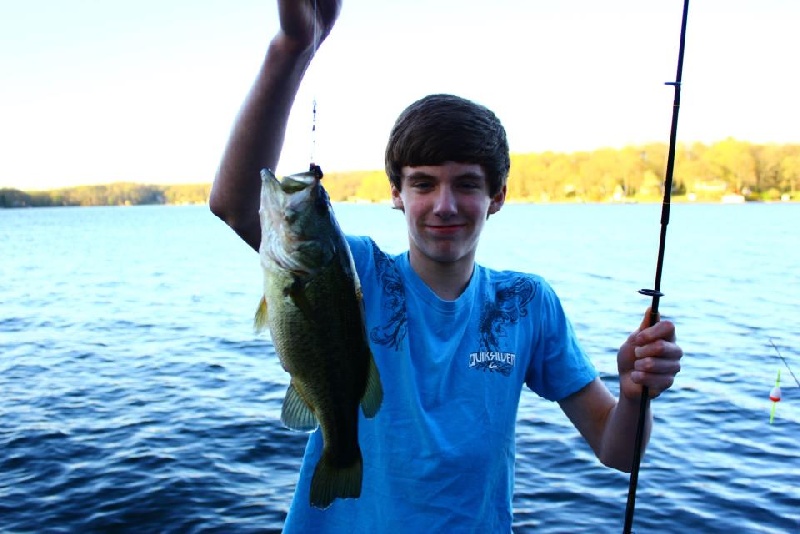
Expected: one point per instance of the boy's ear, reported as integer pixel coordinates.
(397, 200)
(497, 201)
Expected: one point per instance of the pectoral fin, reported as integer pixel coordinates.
(296, 413)
(373, 393)
(262, 315)
(297, 293)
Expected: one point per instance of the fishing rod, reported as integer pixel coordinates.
(656, 293)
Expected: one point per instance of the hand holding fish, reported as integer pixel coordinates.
(306, 23)
(649, 357)
(257, 136)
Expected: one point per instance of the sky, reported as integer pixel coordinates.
(148, 90)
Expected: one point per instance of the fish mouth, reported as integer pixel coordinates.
(297, 182)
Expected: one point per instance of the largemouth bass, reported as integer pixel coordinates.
(313, 309)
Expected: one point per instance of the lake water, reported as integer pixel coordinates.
(136, 398)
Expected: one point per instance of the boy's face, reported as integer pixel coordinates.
(446, 207)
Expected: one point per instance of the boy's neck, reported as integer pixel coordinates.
(447, 280)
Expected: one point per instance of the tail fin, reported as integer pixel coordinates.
(331, 482)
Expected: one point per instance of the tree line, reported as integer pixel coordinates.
(702, 172)
(114, 194)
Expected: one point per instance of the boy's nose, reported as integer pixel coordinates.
(445, 204)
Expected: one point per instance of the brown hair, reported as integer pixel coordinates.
(440, 128)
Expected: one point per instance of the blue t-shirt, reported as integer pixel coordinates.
(439, 455)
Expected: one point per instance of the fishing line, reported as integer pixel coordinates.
(314, 94)
(785, 362)
(656, 293)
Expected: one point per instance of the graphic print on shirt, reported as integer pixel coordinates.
(506, 309)
(392, 333)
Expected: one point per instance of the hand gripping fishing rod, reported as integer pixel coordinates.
(656, 293)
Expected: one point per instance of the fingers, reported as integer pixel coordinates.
(656, 356)
(655, 384)
(307, 23)
(656, 364)
(649, 358)
(655, 359)
(662, 330)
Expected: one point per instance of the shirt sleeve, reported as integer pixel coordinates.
(559, 366)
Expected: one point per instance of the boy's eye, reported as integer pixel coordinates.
(469, 185)
(422, 184)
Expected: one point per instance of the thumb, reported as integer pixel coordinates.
(649, 319)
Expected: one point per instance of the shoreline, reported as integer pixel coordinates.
(362, 201)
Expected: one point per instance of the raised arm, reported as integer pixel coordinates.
(257, 136)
